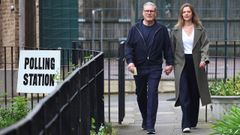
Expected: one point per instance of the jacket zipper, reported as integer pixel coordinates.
(148, 53)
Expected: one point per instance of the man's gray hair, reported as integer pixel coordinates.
(150, 3)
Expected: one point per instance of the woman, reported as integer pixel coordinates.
(190, 46)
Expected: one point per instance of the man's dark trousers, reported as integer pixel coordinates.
(147, 81)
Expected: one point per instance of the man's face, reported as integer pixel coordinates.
(149, 13)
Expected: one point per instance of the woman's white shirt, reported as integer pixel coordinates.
(187, 42)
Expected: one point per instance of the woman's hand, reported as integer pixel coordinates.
(202, 65)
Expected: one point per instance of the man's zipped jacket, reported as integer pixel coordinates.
(140, 53)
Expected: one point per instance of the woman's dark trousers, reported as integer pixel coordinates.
(189, 95)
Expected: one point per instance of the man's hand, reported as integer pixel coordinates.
(131, 67)
(168, 69)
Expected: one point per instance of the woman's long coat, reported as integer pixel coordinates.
(200, 53)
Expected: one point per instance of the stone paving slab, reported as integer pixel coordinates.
(168, 117)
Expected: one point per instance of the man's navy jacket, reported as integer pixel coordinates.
(141, 54)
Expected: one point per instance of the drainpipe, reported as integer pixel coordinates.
(21, 24)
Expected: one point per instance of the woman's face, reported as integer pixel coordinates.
(187, 14)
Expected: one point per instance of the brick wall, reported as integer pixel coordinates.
(8, 23)
(9, 27)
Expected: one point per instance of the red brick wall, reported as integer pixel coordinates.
(8, 23)
(9, 30)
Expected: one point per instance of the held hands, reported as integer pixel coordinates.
(202, 65)
(168, 69)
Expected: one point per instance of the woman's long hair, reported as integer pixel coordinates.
(195, 18)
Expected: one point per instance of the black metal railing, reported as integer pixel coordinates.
(9, 58)
(70, 108)
(224, 60)
(121, 83)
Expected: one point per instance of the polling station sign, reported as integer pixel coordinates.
(39, 71)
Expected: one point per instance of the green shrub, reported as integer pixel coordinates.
(105, 129)
(14, 112)
(229, 124)
(229, 88)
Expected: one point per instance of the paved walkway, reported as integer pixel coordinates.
(168, 117)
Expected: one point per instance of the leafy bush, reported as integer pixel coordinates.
(105, 129)
(229, 124)
(229, 88)
(14, 112)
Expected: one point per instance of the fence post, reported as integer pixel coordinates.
(121, 83)
(74, 54)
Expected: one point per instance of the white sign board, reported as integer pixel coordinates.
(38, 71)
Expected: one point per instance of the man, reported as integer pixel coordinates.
(148, 42)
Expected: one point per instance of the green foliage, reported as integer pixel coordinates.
(57, 76)
(73, 66)
(14, 112)
(229, 124)
(93, 127)
(229, 88)
(88, 57)
(105, 129)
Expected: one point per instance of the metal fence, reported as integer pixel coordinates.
(70, 108)
(224, 60)
(9, 57)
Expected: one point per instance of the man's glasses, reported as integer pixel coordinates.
(149, 11)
